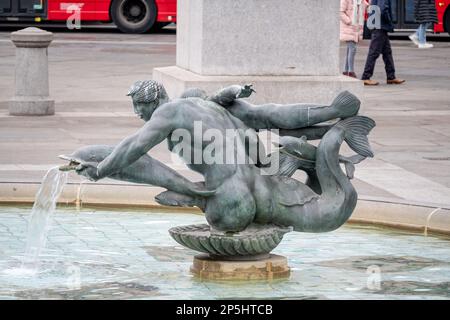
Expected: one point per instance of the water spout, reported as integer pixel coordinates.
(78, 200)
(43, 208)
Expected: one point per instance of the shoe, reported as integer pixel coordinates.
(413, 37)
(369, 82)
(352, 74)
(395, 81)
(345, 73)
(425, 45)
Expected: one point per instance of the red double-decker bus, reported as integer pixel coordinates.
(404, 18)
(131, 16)
(138, 16)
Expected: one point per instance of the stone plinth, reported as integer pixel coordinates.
(270, 268)
(258, 37)
(32, 87)
(289, 50)
(278, 89)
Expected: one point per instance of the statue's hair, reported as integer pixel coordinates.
(147, 91)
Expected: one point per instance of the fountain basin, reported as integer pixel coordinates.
(128, 254)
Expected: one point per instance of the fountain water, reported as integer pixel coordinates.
(43, 208)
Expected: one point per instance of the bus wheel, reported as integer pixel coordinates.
(134, 16)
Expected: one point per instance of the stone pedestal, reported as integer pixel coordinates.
(32, 87)
(289, 50)
(270, 268)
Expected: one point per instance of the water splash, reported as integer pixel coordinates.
(78, 201)
(43, 209)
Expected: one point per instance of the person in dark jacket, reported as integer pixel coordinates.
(380, 44)
(426, 14)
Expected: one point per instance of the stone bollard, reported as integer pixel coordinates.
(32, 89)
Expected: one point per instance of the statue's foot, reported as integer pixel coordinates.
(346, 105)
(174, 199)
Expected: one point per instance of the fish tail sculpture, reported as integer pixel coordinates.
(338, 198)
(328, 198)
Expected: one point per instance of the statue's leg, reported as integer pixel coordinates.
(311, 133)
(175, 199)
(294, 116)
(232, 208)
(345, 105)
(151, 171)
(305, 115)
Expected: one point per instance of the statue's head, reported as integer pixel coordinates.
(147, 96)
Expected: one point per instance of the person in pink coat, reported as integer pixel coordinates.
(352, 14)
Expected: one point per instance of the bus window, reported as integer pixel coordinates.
(21, 8)
(409, 11)
(30, 6)
(394, 5)
(5, 6)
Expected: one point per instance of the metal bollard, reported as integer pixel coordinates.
(32, 88)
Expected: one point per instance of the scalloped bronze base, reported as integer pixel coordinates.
(254, 243)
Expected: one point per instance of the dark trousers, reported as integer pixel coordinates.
(379, 44)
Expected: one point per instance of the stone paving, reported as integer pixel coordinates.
(98, 254)
(91, 72)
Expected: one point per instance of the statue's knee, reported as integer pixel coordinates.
(230, 222)
(232, 217)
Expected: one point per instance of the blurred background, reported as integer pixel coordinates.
(142, 16)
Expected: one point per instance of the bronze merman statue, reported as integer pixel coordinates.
(238, 197)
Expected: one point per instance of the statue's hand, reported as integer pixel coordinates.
(88, 170)
(246, 91)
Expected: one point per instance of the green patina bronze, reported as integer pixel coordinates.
(237, 197)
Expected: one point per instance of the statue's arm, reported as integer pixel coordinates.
(226, 96)
(135, 146)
